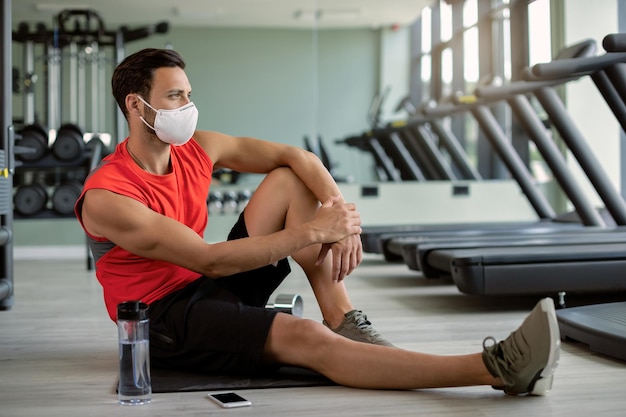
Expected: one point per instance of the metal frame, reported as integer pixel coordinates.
(6, 159)
(492, 44)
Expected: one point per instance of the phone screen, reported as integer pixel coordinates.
(230, 399)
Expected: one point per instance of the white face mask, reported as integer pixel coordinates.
(174, 126)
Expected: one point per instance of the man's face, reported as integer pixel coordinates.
(170, 90)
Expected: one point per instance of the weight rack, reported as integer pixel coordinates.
(56, 152)
(6, 159)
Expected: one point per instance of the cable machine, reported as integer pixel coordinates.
(43, 164)
(57, 147)
(6, 159)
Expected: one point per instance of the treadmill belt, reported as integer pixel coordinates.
(371, 235)
(601, 326)
(393, 245)
(536, 270)
(416, 254)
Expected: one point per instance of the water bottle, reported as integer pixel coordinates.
(133, 330)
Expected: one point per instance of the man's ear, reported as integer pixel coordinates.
(133, 104)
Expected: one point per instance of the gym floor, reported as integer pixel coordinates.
(58, 352)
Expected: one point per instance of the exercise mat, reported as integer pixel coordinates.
(164, 380)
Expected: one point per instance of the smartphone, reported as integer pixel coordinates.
(229, 399)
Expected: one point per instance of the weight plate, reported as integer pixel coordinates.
(30, 199)
(64, 197)
(34, 137)
(69, 144)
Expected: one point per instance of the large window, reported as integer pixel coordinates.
(467, 42)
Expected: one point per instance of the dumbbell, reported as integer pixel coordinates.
(30, 199)
(242, 199)
(229, 202)
(65, 195)
(96, 144)
(288, 303)
(32, 144)
(215, 202)
(69, 144)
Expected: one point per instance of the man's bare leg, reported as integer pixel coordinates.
(308, 344)
(282, 200)
(526, 359)
(523, 363)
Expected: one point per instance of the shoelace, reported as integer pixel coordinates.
(362, 323)
(361, 320)
(506, 356)
(511, 353)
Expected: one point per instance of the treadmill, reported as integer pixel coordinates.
(410, 150)
(391, 243)
(427, 137)
(408, 248)
(585, 267)
(601, 326)
(596, 264)
(471, 265)
(375, 237)
(386, 167)
(423, 148)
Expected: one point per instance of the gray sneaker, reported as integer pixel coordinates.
(355, 326)
(527, 359)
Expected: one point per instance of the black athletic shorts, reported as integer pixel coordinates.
(216, 325)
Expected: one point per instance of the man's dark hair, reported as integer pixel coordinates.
(134, 73)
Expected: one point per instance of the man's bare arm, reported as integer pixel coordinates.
(134, 227)
(259, 156)
(242, 154)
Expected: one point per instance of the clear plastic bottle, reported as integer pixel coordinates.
(133, 327)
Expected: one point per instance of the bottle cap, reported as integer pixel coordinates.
(132, 310)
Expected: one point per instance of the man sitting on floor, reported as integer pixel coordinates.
(144, 211)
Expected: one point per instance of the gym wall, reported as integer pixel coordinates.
(260, 82)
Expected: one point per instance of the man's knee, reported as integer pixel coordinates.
(298, 341)
(286, 178)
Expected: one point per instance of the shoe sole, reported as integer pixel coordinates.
(543, 382)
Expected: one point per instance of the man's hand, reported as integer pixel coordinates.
(335, 220)
(346, 254)
(347, 250)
